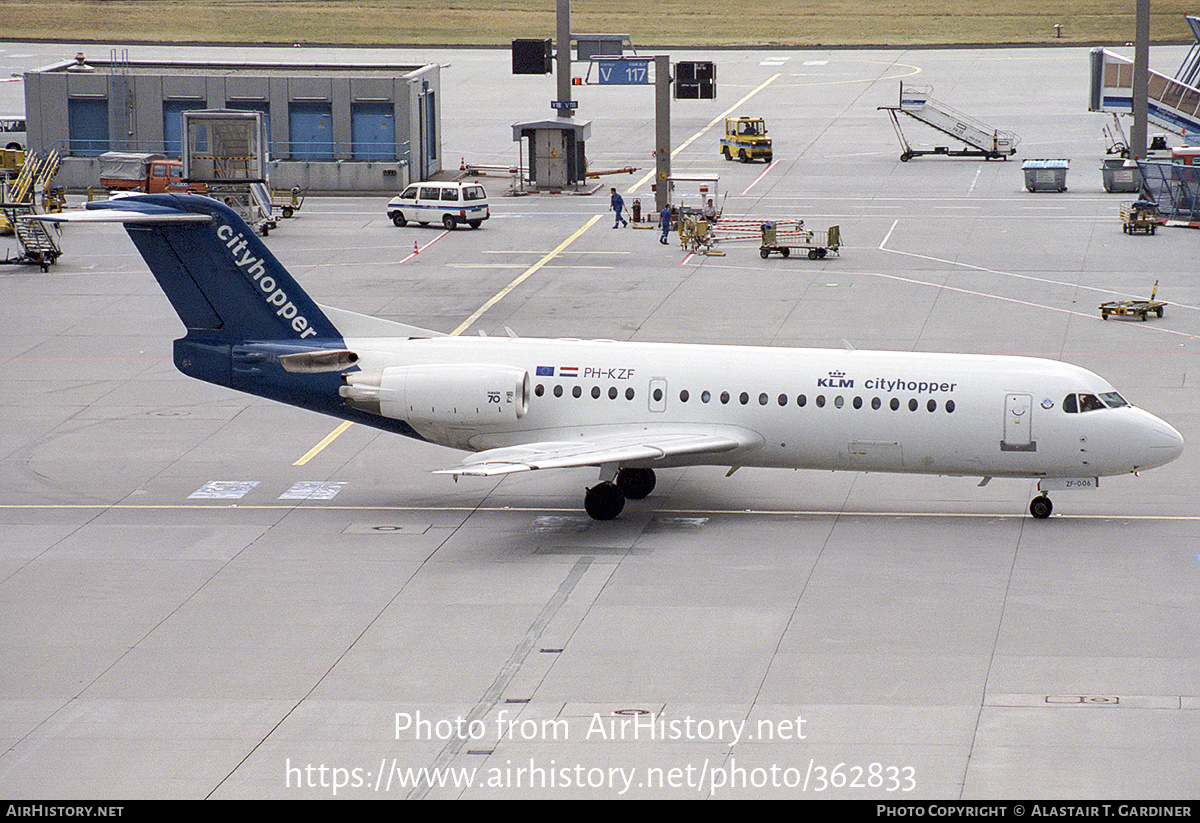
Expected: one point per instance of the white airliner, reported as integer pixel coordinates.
(520, 404)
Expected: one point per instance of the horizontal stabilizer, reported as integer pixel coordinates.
(148, 215)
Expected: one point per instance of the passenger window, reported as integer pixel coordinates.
(683, 396)
(558, 391)
(450, 194)
(429, 193)
(474, 193)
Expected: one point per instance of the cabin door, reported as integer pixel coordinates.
(1018, 428)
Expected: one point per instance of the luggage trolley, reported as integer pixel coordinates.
(781, 236)
(1133, 308)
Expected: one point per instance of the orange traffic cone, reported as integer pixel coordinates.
(463, 165)
(415, 249)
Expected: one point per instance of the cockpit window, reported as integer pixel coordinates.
(1074, 403)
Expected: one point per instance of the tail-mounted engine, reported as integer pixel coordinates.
(441, 394)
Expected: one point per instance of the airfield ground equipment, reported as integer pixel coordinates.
(225, 152)
(288, 202)
(981, 140)
(1133, 308)
(35, 242)
(782, 236)
(688, 194)
(1046, 174)
(1139, 217)
(746, 139)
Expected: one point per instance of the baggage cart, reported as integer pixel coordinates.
(1133, 308)
(782, 236)
(1139, 217)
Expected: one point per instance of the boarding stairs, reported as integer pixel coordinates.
(37, 244)
(981, 140)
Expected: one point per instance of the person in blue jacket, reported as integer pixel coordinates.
(664, 218)
(618, 205)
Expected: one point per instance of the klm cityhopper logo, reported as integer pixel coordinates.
(255, 269)
(835, 380)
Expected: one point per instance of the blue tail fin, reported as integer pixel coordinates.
(220, 278)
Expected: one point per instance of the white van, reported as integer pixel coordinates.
(436, 202)
(12, 131)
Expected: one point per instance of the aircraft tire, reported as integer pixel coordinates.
(635, 484)
(604, 501)
(1040, 507)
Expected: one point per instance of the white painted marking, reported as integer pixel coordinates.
(223, 490)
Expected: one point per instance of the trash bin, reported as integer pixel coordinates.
(1121, 177)
(1046, 175)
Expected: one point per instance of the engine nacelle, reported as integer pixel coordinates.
(442, 394)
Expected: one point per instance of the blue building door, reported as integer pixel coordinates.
(310, 131)
(87, 124)
(373, 130)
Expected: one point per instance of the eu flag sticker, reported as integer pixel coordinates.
(545, 371)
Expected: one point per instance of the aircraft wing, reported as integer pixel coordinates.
(600, 449)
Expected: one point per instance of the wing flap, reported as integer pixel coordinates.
(593, 451)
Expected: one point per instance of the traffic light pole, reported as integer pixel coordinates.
(564, 57)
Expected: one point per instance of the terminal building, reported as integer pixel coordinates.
(329, 128)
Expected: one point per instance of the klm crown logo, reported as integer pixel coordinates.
(835, 380)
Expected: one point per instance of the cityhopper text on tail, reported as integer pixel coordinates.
(520, 404)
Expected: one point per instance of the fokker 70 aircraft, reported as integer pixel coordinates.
(520, 404)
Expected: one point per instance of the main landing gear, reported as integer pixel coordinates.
(1040, 507)
(607, 499)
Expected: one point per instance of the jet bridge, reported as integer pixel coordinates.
(1172, 103)
(981, 140)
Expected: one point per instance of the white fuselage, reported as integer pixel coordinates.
(951, 414)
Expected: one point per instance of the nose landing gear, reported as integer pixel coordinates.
(1040, 507)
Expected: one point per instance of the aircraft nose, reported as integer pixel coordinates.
(1164, 442)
